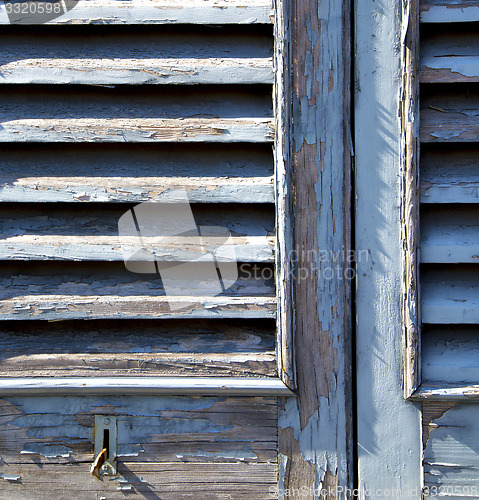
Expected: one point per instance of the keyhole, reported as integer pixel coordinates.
(106, 442)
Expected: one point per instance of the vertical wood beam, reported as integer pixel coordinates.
(389, 431)
(315, 427)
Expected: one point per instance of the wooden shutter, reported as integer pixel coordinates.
(115, 104)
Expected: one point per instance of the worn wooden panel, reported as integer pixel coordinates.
(450, 234)
(91, 233)
(122, 114)
(225, 173)
(450, 354)
(449, 174)
(389, 431)
(315, 428)
(449, 11)
(166, 348)
(136, 56)
(160, 12)
(450, 295)
(55, 290)
(449, 115)
(449, 56)
(451, 456)
(168, 447)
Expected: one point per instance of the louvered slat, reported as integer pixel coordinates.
(449, 174)
(450, 57)
(130, 173)
(126, 57)
(160, 12)
(449, 11)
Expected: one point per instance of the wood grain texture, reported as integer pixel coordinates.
(450, 234)
(450, 354)
(449, 174)
(410, 201)
(172, 447)
(315, 428)
(451, 463)
(136, 57)
(389, 427)
(449, 116)
(93, 114)
(161, 12)
(130, 173)
(450, 56)
(132, 348)
(449, 11)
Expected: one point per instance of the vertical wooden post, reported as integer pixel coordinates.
(315, 427)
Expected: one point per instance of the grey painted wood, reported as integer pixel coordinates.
(451, 456)
(450, 56)
(449, 11)
(202, 386)
(136, 58)
(124, 115)
(450, 295)
(442, 392)
(129, 173)
(389, 433)
(126, 348)
(450, 354)
(168, 446)
(449, 116)
(450, 234)
(162, 12)
(449, 175)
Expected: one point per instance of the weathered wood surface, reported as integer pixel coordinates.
(315, 428)
(450, 57)
(450, 116)
(450, 234)
(449, 11)
(136, 57)
(55, 290)
(125, 115)
(411, 309)
(451, 458)
(449, 174)
(450, 295)
(128, 348)
(92, 234)
(450, 354)
(168, 447)
(225, 173)
(161, 12)
(441, 391)
(389, 430)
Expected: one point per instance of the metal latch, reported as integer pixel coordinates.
(105, 446)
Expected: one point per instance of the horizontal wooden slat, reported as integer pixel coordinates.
(441, 391)
(450, 116)
(449, 175)
(57, 290)
(204, 386)
(450, 295)
(92, 233)
(32, 114)
(449, 11)
(135, 58)
(449, 57)
(450, 354)
(135, 173)
(158, 12)
(450, 234)
(132, 348)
